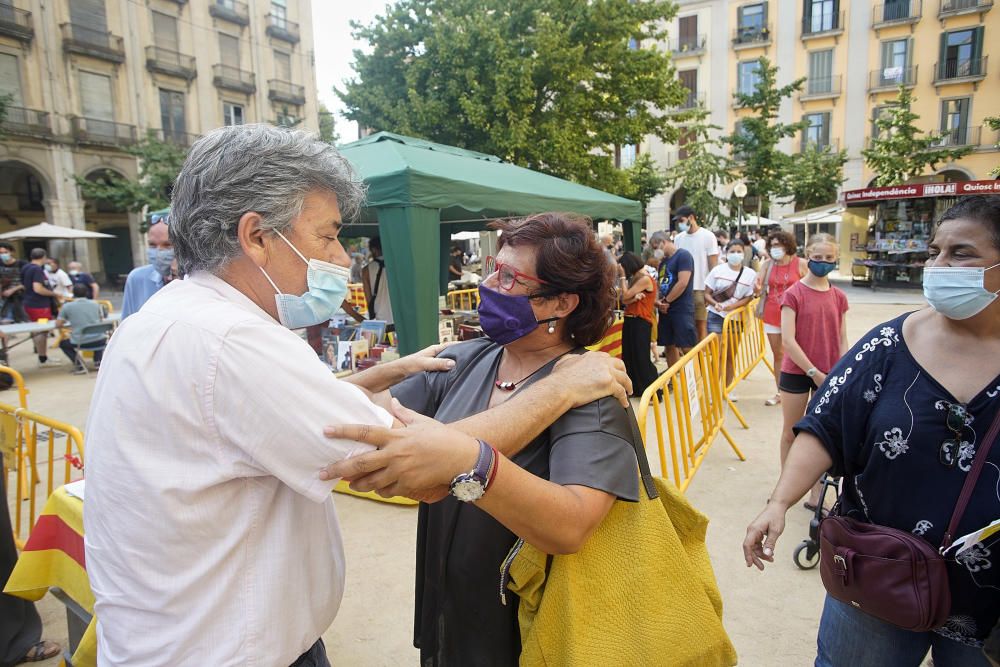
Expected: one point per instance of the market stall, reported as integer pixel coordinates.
(900, 220)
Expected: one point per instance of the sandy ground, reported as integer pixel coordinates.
(771, 616)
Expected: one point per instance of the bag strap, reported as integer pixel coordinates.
(970, 481)
(640, 454)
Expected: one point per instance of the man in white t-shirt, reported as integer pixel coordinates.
(704, 248)
(210, 536)
(60, 281)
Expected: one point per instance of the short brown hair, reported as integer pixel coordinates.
(785, 239)
(570, 261)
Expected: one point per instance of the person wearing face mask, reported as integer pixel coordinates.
(901, 417)
(58, 279)
(11, 287)
(545, 296)
(780, 270)
(81, 277)
(704, 248)
(206, 515)
(728, 286)
(145, 281)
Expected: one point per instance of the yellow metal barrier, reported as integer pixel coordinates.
(743, 347)
(356, 297)
(691, 415)
(463, 299)
(20, 425)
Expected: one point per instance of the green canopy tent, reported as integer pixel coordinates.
(420, 192)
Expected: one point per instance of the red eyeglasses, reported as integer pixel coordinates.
(507, 275)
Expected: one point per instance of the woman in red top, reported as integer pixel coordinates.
(814, 337)
(638, 295)
(781, 270)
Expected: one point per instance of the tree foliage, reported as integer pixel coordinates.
(703, 172)
(815, 176)
(159, 164)
(645, 180)
(900, 151)
(767, 169)
(993, 122)
(5, 100)
(552, 85)
(327, 128)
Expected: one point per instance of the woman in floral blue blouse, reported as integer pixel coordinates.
(900, 418)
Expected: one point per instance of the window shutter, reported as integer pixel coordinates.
(977, 50)
(282, 66)
(89, 14)
(229, 50)
(96, 100)
(689, 78)
(165, 31)
(689, 30)
(10, 79)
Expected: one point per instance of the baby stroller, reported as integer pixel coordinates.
(806, 555)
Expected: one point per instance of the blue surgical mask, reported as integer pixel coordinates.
(957, 292)
(683, 227)
(327, 287)
(4, 256)
(821, 269)
(735, 258)
(160, 259)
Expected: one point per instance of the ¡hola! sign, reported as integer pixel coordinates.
(954, 189)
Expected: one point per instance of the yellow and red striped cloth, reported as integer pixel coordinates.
(612, 341)
(54, 556)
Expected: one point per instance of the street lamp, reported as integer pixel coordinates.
(740, 191)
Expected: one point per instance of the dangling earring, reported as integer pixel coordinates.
(552, 327)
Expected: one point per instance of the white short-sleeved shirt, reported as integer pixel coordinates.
(722, 276)
(60, 282)
(210, 539)
(702, 244)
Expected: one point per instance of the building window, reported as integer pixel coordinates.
(740, 131)
(172, 116)
(748, 76)
(229, 50)
(818, 131)
(10, 78)
(279, 14)
(896, 10)
(232, 114)
(820, 15)
(165, 31)
(955, 122)
(688, 33)
(961, 53)
(895, 62)
(820, 72)
(286, 116)
(96, 100)
(878, 112)
(752, 23)
(282, 66)
(627, 155)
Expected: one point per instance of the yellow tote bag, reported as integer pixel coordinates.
(640, 592)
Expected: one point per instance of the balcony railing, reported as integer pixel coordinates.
(97, 132)
(170, 62)
(819, 26)
(28, 122)
(281, 28)
(16, 23)
(957, 7)
(958, 71)
(889, 78)
(179, 139)
(821, 87)
(686, 46)
(896, 13)
(959, 136)
(285, 91)
(89, 42)
(746, 37)
(833, 144)
(230, 10)
(233, 78)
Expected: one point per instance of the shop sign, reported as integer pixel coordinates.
(954, 189)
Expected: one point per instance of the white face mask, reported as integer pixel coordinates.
(658, 254)
(777, 253)
(957, 292)
(735, 258)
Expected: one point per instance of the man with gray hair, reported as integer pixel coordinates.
(211, 538)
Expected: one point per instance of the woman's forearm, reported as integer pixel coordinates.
(555, 519)
(807, 461)
(794, 352)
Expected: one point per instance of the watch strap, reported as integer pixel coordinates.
(481, 473)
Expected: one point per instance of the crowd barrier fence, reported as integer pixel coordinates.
(743, 346)
(463, 299)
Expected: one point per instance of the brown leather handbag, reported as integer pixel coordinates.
(891, 574)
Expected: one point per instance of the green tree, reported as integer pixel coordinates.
(552, 85)
(993, 122)
(815, 176)
(159, 164)
(645, 180)
(899, 151)
(705, 169)
(5, 101)
(327, 128)
(755, 140)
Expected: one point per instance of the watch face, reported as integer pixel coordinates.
(467, 490)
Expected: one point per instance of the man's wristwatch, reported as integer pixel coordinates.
(812, 372)
(470, 486)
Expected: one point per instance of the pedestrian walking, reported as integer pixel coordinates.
(639, 297)
(704, 248)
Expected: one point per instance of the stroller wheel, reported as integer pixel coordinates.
(806, 555)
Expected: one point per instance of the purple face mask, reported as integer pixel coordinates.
(506, 318)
